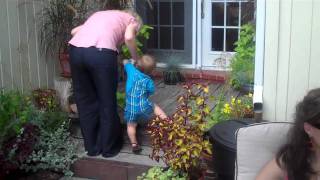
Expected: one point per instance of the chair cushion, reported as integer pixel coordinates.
(256, 145)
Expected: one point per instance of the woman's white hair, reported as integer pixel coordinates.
(135, 15)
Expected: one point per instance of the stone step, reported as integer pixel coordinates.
(124, 166)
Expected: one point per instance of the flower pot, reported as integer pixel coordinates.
(246, 88)
(172, 77)
(224, 147)
(65, 65)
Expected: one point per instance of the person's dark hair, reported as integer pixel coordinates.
(296, 155)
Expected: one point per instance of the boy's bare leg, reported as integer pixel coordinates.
(159, 112)
(131, 130)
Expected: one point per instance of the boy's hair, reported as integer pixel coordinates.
(147, 64)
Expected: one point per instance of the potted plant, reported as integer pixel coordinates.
(242, 64)
(56, 20)
(172, 74)
(181, 137)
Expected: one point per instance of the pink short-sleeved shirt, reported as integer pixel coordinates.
(103, 29)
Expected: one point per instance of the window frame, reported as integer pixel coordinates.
(225, 27)
(171, 26)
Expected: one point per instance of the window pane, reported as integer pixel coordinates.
(165, 38)
(152, 14)
(247, 12)
(233, 14)
(153, 40)
(217, 14)
(231, 38)
(165, 13)
(178, 16)
(217, 39)
(178, 38)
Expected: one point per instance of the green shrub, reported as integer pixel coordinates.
(158, 173)
(179, 140)
(50, 120)
(55, 151)
(15, 111)
(217, 114)
(242, 64)
(143, 35)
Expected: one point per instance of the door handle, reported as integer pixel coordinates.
(202, 9)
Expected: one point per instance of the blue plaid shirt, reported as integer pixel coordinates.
(139, 87)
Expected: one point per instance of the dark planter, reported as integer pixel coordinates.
(224, 147)
(65, 65)
(172, 77)
(247, 88)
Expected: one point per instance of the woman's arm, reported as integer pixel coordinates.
(130, 40)
(271, 171)
(75, 30)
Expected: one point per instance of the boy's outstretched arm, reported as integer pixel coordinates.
(159, 112)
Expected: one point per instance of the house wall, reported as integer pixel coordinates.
(292, 55)
(21, 64)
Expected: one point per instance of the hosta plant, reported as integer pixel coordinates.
(180, 137)
(156, 173)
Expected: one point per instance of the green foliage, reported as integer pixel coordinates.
(142, 35)
(172, 74)
(15, 110)
(55, 151)
(121, 99)
(217, 114)
(242, 64)
(180, 137)
(50, 121)
(158, 173)
(242, 107)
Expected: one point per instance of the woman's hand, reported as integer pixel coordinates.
(75, 30)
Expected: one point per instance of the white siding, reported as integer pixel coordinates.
(292, 55)
(22, 66)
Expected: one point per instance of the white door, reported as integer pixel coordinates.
(172, 39)
(221, 22)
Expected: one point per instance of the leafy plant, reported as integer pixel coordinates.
(158, 173)
(172, 74)
(142, 35)
(15, 111)
(50, 121)
(55, 151)
(121, 99)
(17, 149)
(217, 115)
(59, 17)
(239, 108)
(180, 137)
(242, 107)
(46, 99)
(242, 64)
